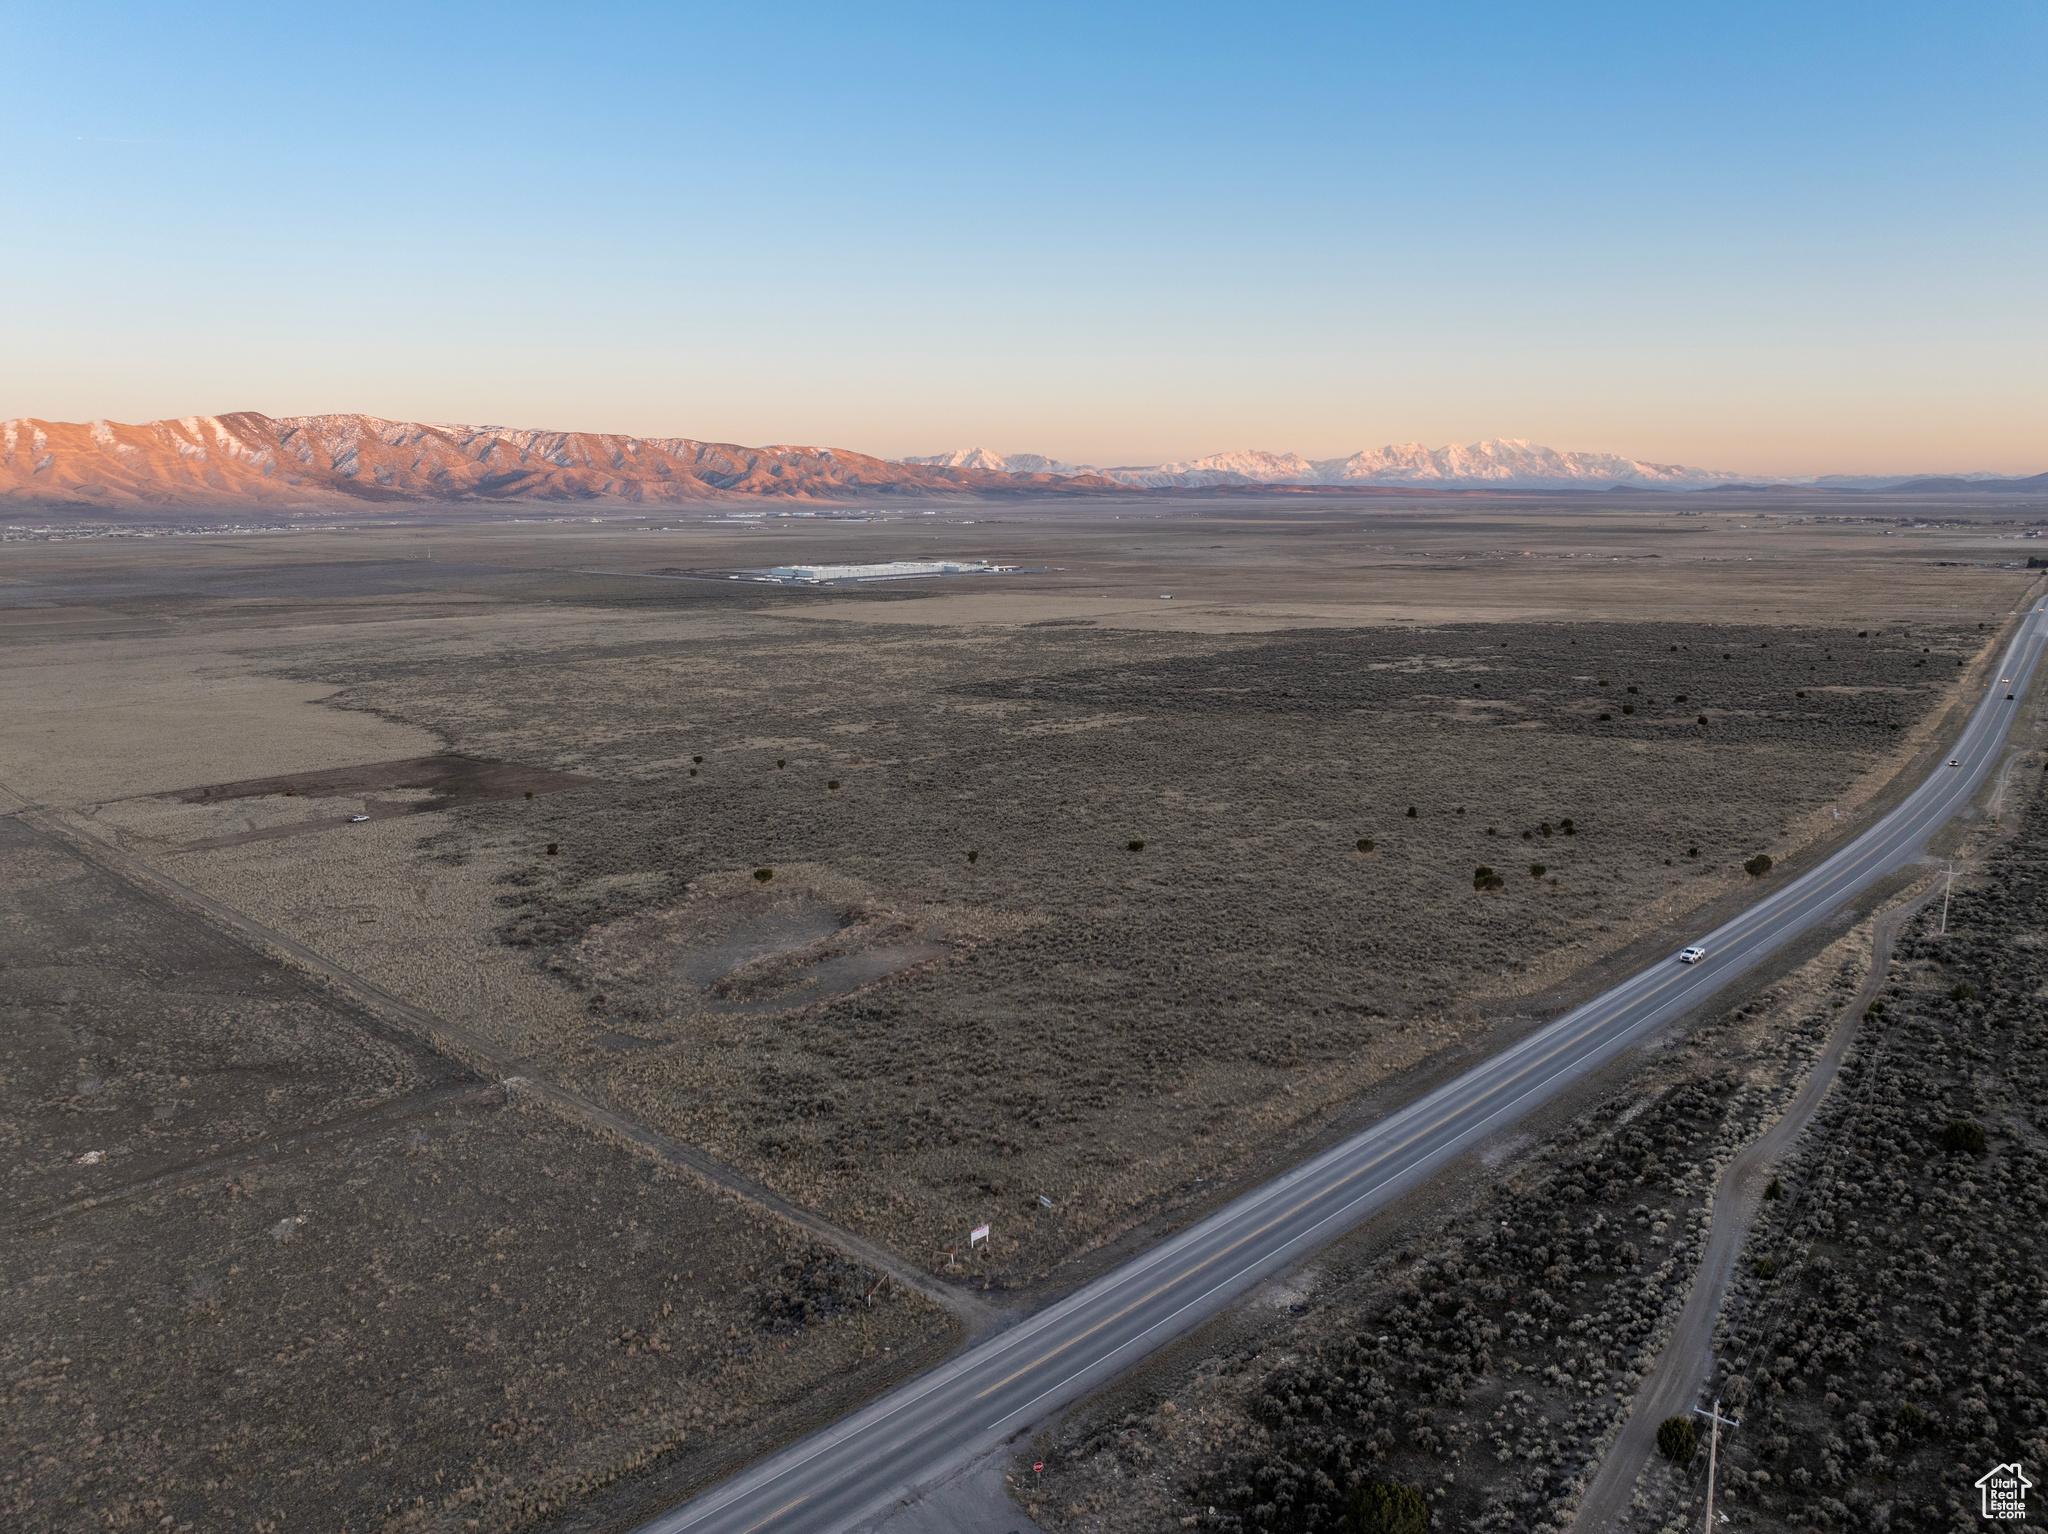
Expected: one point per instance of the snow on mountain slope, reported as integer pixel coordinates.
(1502, 462)
(318, 461)
(326, 460)
(1509, 461)
(1000, 463)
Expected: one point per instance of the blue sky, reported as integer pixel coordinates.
(1779, 239)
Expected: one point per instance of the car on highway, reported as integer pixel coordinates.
(1692, 955)
(1955, 761)
(356, 820)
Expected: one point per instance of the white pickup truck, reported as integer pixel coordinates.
(1691, 955)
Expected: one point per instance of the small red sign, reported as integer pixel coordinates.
(1038, 1465)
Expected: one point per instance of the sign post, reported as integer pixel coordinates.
(976, 1236)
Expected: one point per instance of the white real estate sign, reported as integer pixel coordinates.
(976, 1236)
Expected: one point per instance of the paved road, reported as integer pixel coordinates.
(1685, 1360)
(855, 1470)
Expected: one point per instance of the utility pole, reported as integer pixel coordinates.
(1714, 1452)
(1944, 899)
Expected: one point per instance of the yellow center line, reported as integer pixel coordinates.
(763, 1523)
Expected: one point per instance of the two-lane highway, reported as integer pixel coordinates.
(850, 1472)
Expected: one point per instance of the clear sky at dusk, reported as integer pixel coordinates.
(1779, 239)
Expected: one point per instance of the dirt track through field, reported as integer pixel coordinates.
(1673, 1385)
(480, 1053)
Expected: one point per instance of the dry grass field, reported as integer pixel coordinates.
(916, 1042)
(265, 1259)
(959, 988)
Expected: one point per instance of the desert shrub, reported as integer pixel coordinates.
(781, 763)
(974, 857)
(1135, 846)
(1774, 1190)
(1628, 708)
(1681, 698)
(833, 785)
(1758, 866)
(1765, 1267)
(1676, 1439)
(1544, 829)
(1911, 1418)
(1703, 719)
(1962, 990)
(1607, 716)
(1376, 1507)
(1411, 812)
(554, 848)
(697, 760)
(1538, 870)
(1963, 1137)
(1484, 878)
(1565, 825)
(1365, 844)
(529, 793)
(763, 875)
(812, 1286)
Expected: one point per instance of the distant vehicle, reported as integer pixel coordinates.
(1692, 955)
(357, 819)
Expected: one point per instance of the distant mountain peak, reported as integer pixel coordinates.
(1500, 463)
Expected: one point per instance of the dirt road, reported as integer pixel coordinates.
(1673, 1385)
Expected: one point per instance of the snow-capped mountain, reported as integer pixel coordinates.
(1506, 463)
(325, 460)
(309, 462)
(999, 463)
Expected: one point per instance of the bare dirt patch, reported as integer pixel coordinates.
(421, 785)
(728, 949)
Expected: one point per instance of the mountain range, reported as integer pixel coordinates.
(1498, 464)
(312, 462)
(324, 461)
